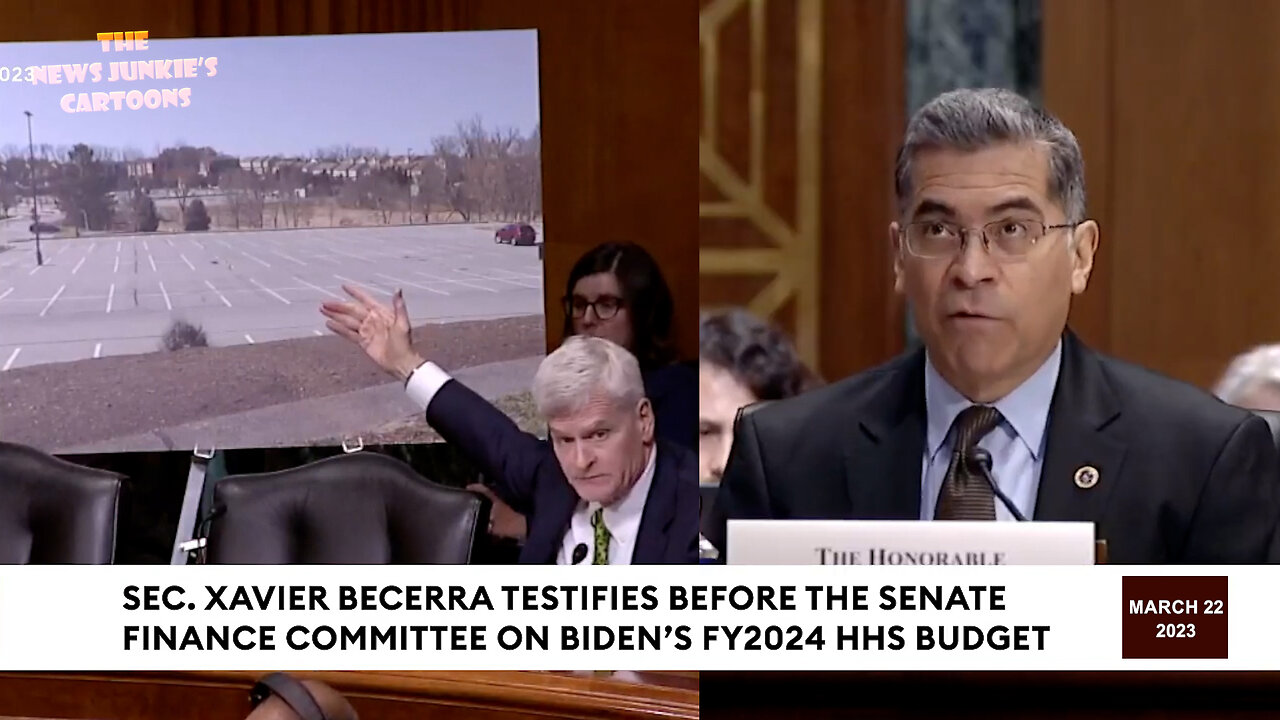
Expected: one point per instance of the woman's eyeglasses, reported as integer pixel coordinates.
(605, 306)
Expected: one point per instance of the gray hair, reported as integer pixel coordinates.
(583, 367)
(1259, 366)
(970, 120)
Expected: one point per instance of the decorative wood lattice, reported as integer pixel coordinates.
(790, 261)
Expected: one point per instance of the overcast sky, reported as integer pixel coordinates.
(290, 95)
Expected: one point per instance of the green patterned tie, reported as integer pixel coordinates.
(602, 537)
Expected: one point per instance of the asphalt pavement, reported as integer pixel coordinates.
(118, 294)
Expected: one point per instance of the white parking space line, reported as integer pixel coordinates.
(168, 240)
(353, 257)
(248, 337)
(97, 351)
(225, 301)
(79, 264)
(496, 279)
(317, 287)
(410, 283)
(118, 244)
(325, 258)
(53, 300)
(116, 269)
(319, 333)
(5, 294)
(263, 262)
(152, 260)
(198, 244)
(185, 260)
(456, 282)
(9, 363)
(92, 245)
(64, 297)
(369, 285)
(270, 292)
(111, 295)
(168, 305)
(286, 257)
(60, 251)
(34, 270)
(514, 274)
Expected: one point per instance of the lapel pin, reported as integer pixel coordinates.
(1086, 477)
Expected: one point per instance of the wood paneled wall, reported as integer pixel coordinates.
(803, 105)
(1177, 106)
(479, 695)
(618, 88)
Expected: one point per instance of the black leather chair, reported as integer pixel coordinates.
(361, 508)
(53, 511)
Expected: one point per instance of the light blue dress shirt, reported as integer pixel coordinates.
(1016, 445)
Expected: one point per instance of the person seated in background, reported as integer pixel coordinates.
(1252, 380)
(616, 291)
(741, 360)
(280, 696)
(603, 489)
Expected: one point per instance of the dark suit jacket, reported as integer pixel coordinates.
(527, 476)
(673, 390)
(1184, 478)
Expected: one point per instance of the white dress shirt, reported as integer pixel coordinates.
(622, 518)
(1016, 445)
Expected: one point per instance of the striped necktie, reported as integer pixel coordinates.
(602, 537)
(966, 495)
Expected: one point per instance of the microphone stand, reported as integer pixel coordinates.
(979, 462)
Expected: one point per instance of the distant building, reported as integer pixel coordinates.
(140, 168)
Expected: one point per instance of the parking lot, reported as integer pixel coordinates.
(117, 295)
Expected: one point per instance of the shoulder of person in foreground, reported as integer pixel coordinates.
(823, 413)
(673, 390)
(1162, 404)
(790, 446)
(1223, 456)
(680, 478)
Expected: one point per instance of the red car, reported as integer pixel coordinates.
(516, 234)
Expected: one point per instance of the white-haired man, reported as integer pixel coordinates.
(1253, 380)
(602, 491)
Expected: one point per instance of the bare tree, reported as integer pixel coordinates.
(179, 170)
(429, 183)
(244, 197)
(8, 186)
(291, 186)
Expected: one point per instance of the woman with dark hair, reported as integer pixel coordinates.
(742, 360)
(616, 291)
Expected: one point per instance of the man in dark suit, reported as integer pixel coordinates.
(601, 491)
(991, 244)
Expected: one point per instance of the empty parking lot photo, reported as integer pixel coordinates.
(161, 269)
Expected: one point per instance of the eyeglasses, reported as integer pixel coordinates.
(1003, 239)
(605, 306)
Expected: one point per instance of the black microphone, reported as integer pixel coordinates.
(979, 461)
(579, 553)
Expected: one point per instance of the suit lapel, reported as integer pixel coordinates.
(1082, 433)
(659, 510)
(883, 452)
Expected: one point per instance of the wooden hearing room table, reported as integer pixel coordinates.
(481, 695)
